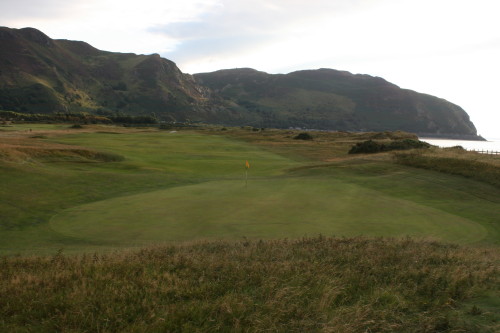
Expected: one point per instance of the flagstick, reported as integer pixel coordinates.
(247, 166)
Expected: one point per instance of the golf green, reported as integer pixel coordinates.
(266, 208)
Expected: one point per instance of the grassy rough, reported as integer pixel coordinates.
(308, 285)
(456, 162)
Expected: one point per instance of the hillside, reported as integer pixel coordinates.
(42, 75)
(327, 98)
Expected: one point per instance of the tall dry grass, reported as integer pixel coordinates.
(455, 161)
(33, 150)
(309, 285)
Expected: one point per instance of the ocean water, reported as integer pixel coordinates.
(490, 145)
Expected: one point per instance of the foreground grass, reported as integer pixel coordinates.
(307, 285)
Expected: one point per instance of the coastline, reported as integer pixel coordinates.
(451, 136)
(476, 145)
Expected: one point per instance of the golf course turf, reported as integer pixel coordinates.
(171, 186)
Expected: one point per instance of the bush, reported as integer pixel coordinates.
(370, 146)
(366, 147)
(166, 126)
(406, 144)
(303, 136)
(457, 149)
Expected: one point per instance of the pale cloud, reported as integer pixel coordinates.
(292, 30)
(250, 33)
(114, 25)
(12, 11)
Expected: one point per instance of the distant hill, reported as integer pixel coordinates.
(42, 75)
(331, 99)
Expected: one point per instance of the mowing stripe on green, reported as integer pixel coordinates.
(268, 208)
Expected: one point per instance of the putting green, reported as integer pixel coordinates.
(267, 208)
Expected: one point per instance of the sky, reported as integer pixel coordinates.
(446, 48)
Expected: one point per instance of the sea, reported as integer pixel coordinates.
(489, 145)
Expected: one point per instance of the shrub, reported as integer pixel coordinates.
(303, 136)
(406, 144)
(456, 149)
(166, 126)
(370, 146)
(366, 147)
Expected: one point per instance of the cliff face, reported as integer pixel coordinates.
(42, 75)
(330, 99)
(38, 74)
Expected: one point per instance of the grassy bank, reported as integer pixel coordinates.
(308, 285)
(455, 161)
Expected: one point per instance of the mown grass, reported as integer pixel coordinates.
(315, 284)
(186, 185)
(265, 208)
(459, 196)
(35, 187)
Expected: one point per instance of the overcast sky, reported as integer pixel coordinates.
(447, 48)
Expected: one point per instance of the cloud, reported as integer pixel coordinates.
(18, 10)
(248, 31)
(114, 25)
(172, 27)
(230, 18)
(295, 30)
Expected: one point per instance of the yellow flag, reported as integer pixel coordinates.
(247, 165)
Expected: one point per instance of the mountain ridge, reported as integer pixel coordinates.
(328, 98)
(43, 75)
